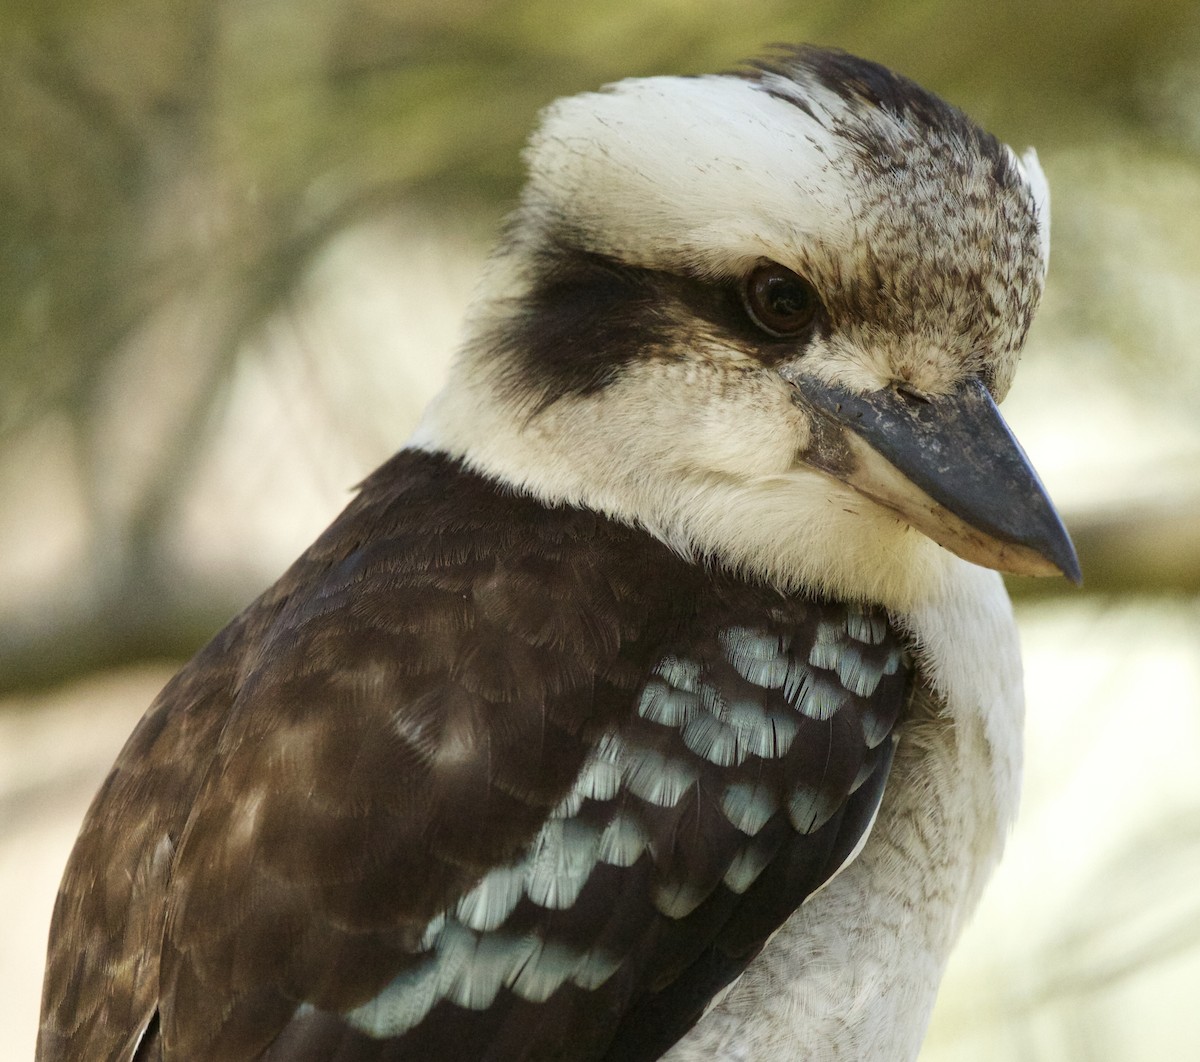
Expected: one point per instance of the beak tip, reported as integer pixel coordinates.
(1065, 560)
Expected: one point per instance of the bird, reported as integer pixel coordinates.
(661, 698)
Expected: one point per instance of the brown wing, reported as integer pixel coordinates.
(101, 984)
(750, 765)
(476, 780)
(397, 715)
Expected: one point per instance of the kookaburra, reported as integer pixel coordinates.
(656, 700)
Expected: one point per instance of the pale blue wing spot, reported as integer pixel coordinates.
(657, 779)
(759, 733)
(749, 806)
(746, 867)
(857, 675)
(492, 963)
(492, 900)
(600, 778)
(744, 714)
(433, 931)
(455, 947)
(758, 657)
(824, 655)
(829, 633)
(622, 842)
(679, 672)
(544, 970)
(742, 644)
(402, 1004)
(560, 862)
(821, 698)
(755, 731)
(767, 674)
(758, 741)
(569, 806)
(895, 657)
(660, 703)
(809, 809)
(409, 996)
(713, 740)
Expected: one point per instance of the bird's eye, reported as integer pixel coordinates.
(779, 301)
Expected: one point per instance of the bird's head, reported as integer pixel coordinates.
(768, 316)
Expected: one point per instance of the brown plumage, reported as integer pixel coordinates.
(396, 717)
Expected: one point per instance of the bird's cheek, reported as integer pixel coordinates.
(748, 449)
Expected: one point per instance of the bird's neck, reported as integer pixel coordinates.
(794, 527)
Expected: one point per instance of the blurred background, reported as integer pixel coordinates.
(236, 241)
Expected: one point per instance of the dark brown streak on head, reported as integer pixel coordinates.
(861, 82)
(586, 316)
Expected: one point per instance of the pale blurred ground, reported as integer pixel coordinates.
(1086, 946)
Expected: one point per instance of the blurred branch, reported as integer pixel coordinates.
(152, 610)
(1147, 547)
(150, 616)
